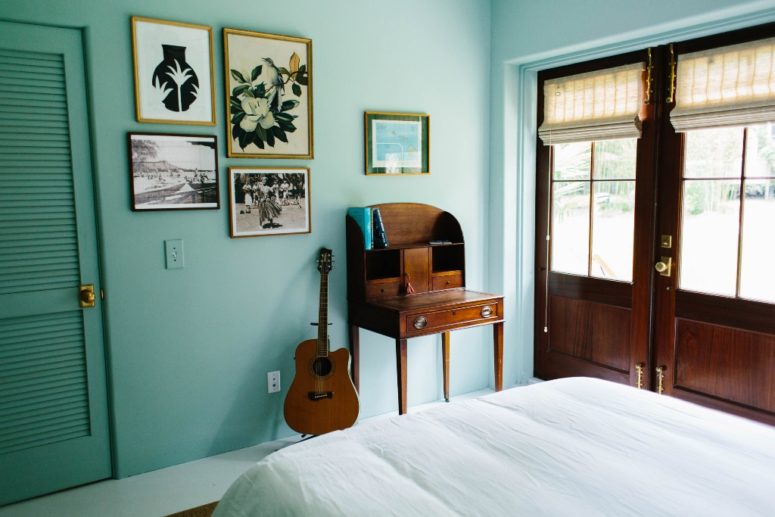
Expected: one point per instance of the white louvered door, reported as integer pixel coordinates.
(53, 402)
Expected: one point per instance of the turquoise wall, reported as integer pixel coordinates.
(188, 350)
(528, 36)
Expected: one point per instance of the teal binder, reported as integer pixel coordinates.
(362, 216)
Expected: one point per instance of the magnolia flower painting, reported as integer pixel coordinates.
(173, 72)
(269, 83)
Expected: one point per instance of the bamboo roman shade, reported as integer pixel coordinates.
(725, 86)
(598, 105)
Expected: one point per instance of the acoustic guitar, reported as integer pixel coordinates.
(322, 397)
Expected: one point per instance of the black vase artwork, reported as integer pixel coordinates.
(177, 77)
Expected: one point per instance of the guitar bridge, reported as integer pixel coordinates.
(320, 395)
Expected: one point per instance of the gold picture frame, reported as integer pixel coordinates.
(265, 201)
(171, 90)
(396, 143)
(268, 87)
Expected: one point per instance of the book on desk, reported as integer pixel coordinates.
(415, 286)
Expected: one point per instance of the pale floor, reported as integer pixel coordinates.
(164, 491)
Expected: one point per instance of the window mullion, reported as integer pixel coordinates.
(741, 215)
(591, 207)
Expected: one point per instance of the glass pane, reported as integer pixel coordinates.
(615, 159)
(572, 161)
(713, 153)
(757, 279)
(570, 227)
(760, 151)
(612, 230)
(711, 216)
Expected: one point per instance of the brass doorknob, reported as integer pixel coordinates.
(664, 266)
(86, 296)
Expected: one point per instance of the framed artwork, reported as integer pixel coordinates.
(268, 95)
(269, 201)
(173, 72)
(173, 172)
(397, 143)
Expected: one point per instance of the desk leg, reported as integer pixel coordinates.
(401, 374)
(355, 346)
(497, 338)
(445, 362)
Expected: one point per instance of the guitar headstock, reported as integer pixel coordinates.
(325, 260)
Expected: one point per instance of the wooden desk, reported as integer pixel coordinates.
(429, 313)
(380, 300)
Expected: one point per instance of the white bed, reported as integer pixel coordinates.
(579, 446)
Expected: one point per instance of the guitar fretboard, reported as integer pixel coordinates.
(322, 346)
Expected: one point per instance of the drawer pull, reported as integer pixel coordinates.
(486, 312)
(420, 322)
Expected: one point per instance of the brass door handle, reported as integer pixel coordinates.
(664, 266)
(86, 296)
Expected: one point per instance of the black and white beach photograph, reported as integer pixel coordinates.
(173, 172)
(268, 201)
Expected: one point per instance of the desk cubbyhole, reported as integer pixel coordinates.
(383, 263)
(448, 257)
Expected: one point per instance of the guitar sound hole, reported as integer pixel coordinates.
(321, 366)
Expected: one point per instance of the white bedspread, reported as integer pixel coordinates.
(580, 447)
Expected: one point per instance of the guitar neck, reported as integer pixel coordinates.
(322, 346)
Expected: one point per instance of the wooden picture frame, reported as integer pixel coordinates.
(268, 86)
(397, 144)
(173, 172)
(267, 201)
(173, 72)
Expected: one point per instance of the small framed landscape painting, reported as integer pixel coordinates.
(397, 143)
(269, 201)
(173, 72)
(268, 95)
(173, 172)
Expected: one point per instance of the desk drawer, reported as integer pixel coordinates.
(447, 280)
(437, 321)
(383, 289)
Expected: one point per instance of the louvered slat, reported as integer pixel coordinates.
(40, 244)
(32, 404)
(43, 390)
(57, 343)
(44, 256)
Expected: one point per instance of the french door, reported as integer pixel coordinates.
(594, 214)
(690, 211)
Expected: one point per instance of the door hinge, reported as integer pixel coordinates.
(649, 79)
(661, 379)
(671, 74)
(639, 369)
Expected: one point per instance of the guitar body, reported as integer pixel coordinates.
(322, 397)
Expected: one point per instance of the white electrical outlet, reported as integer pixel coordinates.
(273, 381)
